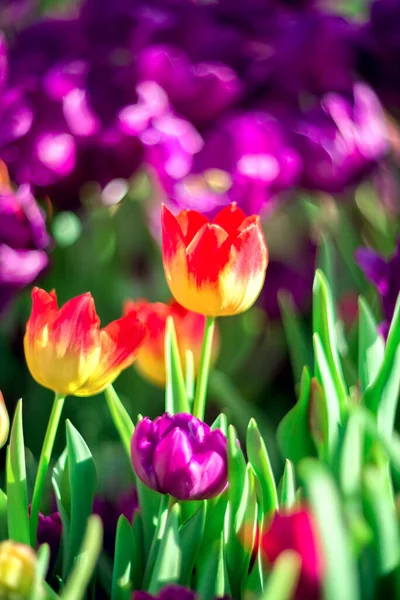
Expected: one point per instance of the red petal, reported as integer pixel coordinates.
(230, 218)
(207, 254)
(76, 326)
(44, 307)
(172, 237)
(190, 222)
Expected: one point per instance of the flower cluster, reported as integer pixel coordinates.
(209, 96)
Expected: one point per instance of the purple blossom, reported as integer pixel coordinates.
(23, 241)
(109, 511)
(385, 276)
(170, 592)
(181, 456)
(49, 532)
(342, 140)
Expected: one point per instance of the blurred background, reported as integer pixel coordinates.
(107, 109)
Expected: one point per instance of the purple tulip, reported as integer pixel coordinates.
(341, 141)
(49, 532)
(23, 241)
(385, 275)
(181, 456)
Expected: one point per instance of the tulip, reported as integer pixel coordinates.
(17, 570)
(214, 268)
(4, 421)
(170, 592)
(295, 531)
(67, 352)
(189, 327)
(181, 456)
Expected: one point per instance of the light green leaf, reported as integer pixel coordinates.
(370, 346)
(3, 517)
(42, 564)
(85, 564)
(60, 482)
(288, 488)
(212, 582)
(282, 582)
(190, 534)
(258, 457)
(122, 421)
(121, 577)
(82, 480)
(17, 495)
(176, 400)
(221, 422)
(341, 577)
(167, 568)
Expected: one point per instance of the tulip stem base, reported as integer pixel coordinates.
(199, 405)
(44, 462)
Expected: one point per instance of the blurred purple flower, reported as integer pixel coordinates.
(181, 456)
(49, 532)
(295, 531)
(109, 511)
(23, 240)
(377, 44)
(245, 159)
(341, 141)
(385, 275)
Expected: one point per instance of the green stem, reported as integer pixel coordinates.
(121, 419)
(44, 462)
(201, 388)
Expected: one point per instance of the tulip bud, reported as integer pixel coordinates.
(4, 422)
(214, 268)
(180, 455)
(189, 327)
(17, 570)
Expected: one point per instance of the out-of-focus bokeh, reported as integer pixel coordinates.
(108, 109)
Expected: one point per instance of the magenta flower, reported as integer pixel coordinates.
(385, 275)
(342, 140)
(295, 531)
(23, 241)
(170, 592)
(180, 455)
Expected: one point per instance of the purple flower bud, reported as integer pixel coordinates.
(181, 456)
(170, 592)
(385, 275)
(341, 141)
(49, 532)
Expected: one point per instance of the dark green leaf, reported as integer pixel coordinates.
(17, 506)
(137, 554)
(190, 534)
(300, 349)
(60, 481)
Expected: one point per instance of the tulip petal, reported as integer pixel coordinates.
(230, 218)
(209, 473)
(190, 222)
(120, 342)
(171, 457)
(142, 451)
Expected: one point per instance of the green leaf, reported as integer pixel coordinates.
(258, 457)
(236, 473)
(282, 582)
(340, 578)
(221, 422)
(189, 377)
(121, 584)
(167, 568)
(122, 421)
(190, 534)
(370, 346)
(159, 529)
(3, 517)
(85, 564)
(382, 396)
(212, 582)
(381, 515)
(42, 564)
(82, 479)
(215, 519)
(330, 398)
(17, 495)
(61, 487)
(150, 503)
(324, 326)
(137, 554)
(255, 580)
(288, 488)
(176, 400)
(293, 433)
(351, 458)
(299, 347)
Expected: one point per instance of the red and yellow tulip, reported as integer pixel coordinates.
(67, 352)
(214, 268)
(189, 327)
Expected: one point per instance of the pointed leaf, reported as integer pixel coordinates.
(17, 495)
(42, 564)
(288, 489)
(370, 346)
(121, 577)
(221, 422)
(258, 457)
(122, 421)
